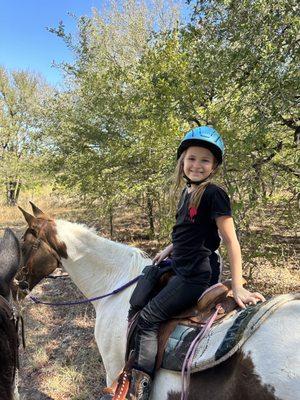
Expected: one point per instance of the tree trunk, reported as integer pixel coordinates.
(111, 222)
(254, 195)
(12, 192)
(150, 214)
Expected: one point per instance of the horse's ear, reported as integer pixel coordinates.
(30, 219)
(10, 256)
(37, 212)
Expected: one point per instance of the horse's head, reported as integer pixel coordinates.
(10, 258)
(42, 251)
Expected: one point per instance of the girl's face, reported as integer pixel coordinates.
(198, 163)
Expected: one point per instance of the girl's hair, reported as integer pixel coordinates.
(196, 194)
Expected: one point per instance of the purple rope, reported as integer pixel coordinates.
(187, 364)
(73, 303)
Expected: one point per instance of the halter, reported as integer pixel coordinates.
(26, 269)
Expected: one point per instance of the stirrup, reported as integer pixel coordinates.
(118, 389)
(122, 386)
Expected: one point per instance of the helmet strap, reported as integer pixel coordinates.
(189, 182)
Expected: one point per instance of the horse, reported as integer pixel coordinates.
(10, 256)
(267, 367)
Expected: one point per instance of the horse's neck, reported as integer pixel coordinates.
(97, 265)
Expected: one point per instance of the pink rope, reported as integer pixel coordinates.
(188, 360)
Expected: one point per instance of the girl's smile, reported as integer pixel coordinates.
(198, 163)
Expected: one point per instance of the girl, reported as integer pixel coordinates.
(203, 211)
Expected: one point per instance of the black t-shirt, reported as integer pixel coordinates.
(195, 233)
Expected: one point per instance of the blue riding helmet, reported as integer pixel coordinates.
(203, 136)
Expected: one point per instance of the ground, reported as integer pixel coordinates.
(61, 360)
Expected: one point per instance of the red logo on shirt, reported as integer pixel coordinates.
(193, 213)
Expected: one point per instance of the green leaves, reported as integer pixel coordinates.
(22, 97)
(136, 89)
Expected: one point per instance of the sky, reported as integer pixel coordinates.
(25, 42)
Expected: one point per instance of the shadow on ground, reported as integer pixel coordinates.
(26, 394)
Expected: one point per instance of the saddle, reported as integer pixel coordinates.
(219, 294)
(224, 338)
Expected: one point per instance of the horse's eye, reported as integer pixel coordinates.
(23, 285)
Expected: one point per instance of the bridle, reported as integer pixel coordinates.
(26, 270)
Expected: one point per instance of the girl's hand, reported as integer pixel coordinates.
(163, 254)
(243, 297)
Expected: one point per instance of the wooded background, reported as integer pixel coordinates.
(142, 76)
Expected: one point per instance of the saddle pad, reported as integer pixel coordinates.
(223, 339)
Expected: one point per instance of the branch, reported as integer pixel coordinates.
(294, 125)
(266, 159)
(194, 119)
(12, 114)
(287, 169)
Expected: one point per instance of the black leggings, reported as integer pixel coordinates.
(174, 298)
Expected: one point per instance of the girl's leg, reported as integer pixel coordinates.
(177, 296)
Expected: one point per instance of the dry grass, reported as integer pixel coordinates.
(50, 202)
(61, 361)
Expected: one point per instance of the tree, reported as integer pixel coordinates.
(95, 123)
(21, 98)
(131, 99)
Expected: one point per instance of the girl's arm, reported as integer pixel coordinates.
(163, 254)
(242, 296)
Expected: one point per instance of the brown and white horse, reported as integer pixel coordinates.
(10, 256)
(266, 368)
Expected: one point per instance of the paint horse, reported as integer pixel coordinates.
(10, 256)
(265, 368)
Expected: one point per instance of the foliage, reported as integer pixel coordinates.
(114, 150)
(136, 88)
(22, 97)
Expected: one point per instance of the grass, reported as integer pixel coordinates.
(48, 201)
(39, 358)
(64, 382)
(61, 361)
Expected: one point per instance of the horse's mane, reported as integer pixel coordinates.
(79, 235)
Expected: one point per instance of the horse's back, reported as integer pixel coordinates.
(267, 367)
(274, 351)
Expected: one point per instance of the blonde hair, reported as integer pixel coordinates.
(198, 192)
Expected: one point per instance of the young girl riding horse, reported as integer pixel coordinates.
(203, 213)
